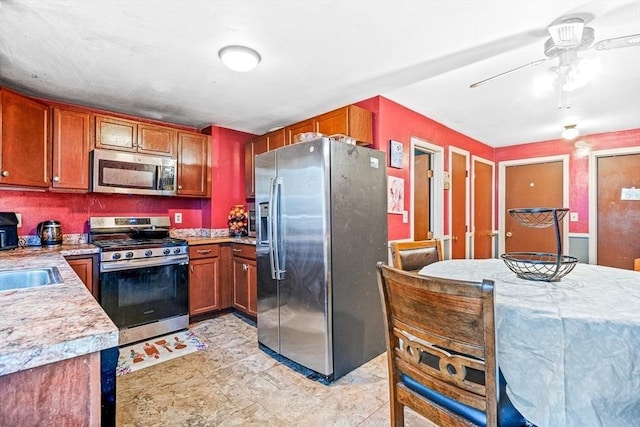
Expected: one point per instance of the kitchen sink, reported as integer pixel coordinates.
(28, 278)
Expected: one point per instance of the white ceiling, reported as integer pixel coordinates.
(159, 59)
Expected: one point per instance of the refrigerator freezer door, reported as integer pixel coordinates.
(304, 291)
(268, 319)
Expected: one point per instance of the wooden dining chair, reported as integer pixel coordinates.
(441, 351)
(412, 256)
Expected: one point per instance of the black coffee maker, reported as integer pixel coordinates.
(8, 230)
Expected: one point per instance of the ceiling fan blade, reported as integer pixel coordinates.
(625, 41)
(481, 82)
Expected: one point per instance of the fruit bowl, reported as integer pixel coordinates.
(237, 221)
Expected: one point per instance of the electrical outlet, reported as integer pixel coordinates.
(573, 216)
(177, 218)
(19, 216)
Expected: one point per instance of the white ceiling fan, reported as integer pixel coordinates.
(568, 37)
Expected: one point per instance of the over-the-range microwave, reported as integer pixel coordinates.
(132, 173)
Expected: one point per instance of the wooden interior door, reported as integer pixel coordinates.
(458, 205)
(482, 210)
(618, 220)
(532, 186)
(421, 196)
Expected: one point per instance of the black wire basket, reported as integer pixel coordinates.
(538, 217)
(540, 266)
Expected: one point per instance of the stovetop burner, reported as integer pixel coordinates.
(125, 243)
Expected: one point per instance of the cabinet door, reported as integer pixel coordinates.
(86, 267)
(158, 140)
(252, 148)
(194, 165)
(351, 120)
(249, 189)
(24, 141)
(252, 286)
(277, 139)
(240, 288)
(116, 134)
(203, 285)
(308, 125)
(71, 146)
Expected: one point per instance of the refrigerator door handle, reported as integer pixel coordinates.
(270, 239)
(277, 184)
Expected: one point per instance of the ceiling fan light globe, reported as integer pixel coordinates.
(570, 132)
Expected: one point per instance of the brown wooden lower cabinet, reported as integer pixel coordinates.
(245, 292)
(65, 393)
(86, 267)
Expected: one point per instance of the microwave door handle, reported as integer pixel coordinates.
(159, 177)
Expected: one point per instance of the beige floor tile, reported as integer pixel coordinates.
(234, 383)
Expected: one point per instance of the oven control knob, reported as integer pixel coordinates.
(116, 255)
(129, 254)
(166, 251)
(176, 251)
(148, 252)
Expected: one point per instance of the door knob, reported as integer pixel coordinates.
(509, 234)
(454, 238)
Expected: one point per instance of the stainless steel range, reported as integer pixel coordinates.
(144, 278)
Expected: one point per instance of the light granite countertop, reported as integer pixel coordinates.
(50, 323)
(199, 240)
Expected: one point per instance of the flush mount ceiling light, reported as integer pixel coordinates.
(239, 58)
(570, 132)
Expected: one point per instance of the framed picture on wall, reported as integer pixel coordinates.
(395, 154)
(395, 195)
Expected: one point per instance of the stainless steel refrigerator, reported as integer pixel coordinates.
(321, 228)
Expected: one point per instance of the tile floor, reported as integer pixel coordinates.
(233, 383)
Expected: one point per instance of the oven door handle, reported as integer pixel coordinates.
(129, 264)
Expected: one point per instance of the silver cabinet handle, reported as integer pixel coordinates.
(203, 251)
(237, 250)
(245, 267)
(56, 179)
(179, 187)
(5, 173)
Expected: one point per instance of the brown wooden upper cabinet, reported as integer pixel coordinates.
(71, 147)
(115, 133)
(194, 165)
(24, 141)
(252, 148)
(351, 120)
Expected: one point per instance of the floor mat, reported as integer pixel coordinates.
(157, 350)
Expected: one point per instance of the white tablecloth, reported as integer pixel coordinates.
(569, 350)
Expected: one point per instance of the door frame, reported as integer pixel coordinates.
(502, 169)
(467, 234)
(437, 184)
(593, 194)
(472, 226)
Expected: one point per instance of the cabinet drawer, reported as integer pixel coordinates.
(204, 251)
(244, 251)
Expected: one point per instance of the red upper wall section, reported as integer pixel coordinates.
(392, 121)
(578, 166)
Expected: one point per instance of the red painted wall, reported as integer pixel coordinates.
(227, 174)
(578, 166)
(393, 121)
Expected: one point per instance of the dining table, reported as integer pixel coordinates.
(570, 349)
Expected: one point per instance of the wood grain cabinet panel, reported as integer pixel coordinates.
(245, 290)
(86, 267)
(308, 125)
(71, 148)
(194, 165)
(204, 279)
(116, 134)
(351, 120)
(24, 141)
(157, 140)
(252, 148)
